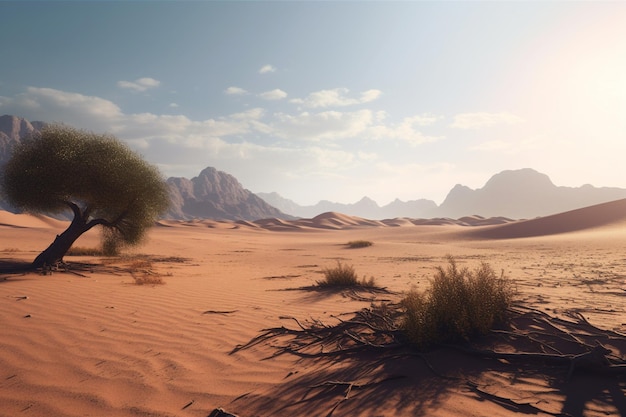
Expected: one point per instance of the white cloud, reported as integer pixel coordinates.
(174, 105)
(336, 97)
(425, 119)
(50, 105)
(331, 158)
(306, 149)
(265, 69)
(235, 91)
(483, 119)
(517, 146)
(140, 84)
(328, 125)
(407, 131)
(276, 94)
(370, 95)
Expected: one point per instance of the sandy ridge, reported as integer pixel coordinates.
(100, 345)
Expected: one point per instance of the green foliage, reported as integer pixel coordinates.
(109, 183)
(460, 304)
(355, 244)
(344, 276)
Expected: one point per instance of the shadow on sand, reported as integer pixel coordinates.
(536, 365)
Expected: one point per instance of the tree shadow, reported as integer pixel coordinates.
(354, 292)
(10, 268)
(537, 364)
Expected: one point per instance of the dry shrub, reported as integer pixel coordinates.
(140, 264)
(84, 251)
(460, 304)
(147, 278)
(355, 244)
(344, 276)
(10, 250)
(141, 271)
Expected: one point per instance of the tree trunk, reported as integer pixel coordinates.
(63, 242)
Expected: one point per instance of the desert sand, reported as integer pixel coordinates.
(91, 342)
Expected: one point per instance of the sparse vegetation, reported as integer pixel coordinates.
(84, 251)
(355, 244)
(459, 304)
(147, 278)
(142, 272)
(344, 275)
(10, 250)
(96, 178)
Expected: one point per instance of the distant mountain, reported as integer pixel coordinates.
(12, 130)
(523, 194)
(515, 194)
(518, 194)
(366, 208)
(216, 195)
(212, 194)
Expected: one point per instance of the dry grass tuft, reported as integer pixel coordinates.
(142, 272)
(460, 304)
(355, 244)
(344, 276)
(10, 250)
(147, 278)
(84, 251)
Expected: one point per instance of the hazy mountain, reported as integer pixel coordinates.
(522, 194)
(518, 194)
(212, 194)
(216, 195)
(12, 130)
(366, 208)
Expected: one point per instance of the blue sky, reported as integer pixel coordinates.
(332, 100)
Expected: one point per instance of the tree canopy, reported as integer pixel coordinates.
(100, 179)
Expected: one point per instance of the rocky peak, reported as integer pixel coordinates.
(521, 179)
(217, 195)
(15, 128)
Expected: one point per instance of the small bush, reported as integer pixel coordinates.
(460, 304)
(344, 276)
(146, 278)
(354, 244)
(84, 251)
(368, 282)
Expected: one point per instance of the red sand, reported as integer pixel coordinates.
(96, 344)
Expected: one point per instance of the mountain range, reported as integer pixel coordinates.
(516, 194)
(213, 194)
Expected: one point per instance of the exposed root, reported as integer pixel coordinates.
(537, 341)
(348, 387)
(317, 339)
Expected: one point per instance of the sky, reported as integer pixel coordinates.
(332, 100)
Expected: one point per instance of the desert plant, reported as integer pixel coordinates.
(84, 251)
(344, 275)
(98, 178)
(355, 244)
(10, 250)
(146, 278)
(459, 304)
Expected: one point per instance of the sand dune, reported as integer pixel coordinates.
(598, 216)
(27, 220)
(91, 342)
(94, 343)
(335, 221)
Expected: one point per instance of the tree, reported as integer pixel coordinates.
(97, 177)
